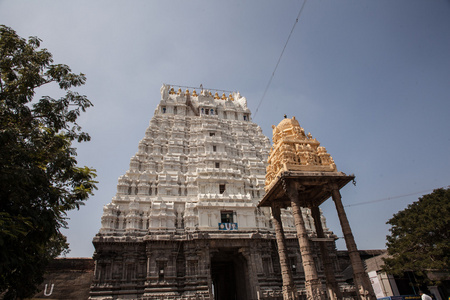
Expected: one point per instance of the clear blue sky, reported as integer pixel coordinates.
(369, 79)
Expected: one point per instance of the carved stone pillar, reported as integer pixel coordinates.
(332, 287)
(313, 285)
(362, 282)
(249, 255)
(289, 291)
(148, 271)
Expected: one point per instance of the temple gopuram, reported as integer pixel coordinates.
(197, 216)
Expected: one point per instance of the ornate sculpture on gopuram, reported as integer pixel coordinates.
(301, 174)
(294, 151)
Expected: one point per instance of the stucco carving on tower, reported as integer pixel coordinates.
(194, 144)
(293, 150)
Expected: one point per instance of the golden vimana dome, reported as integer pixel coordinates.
(286, 122)
(293, 150)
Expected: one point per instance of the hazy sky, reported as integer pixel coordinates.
(369, 79)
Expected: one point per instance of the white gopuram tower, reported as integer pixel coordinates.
(184, 223)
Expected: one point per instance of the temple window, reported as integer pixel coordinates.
(266, 265)
(207, 111)
(192, 267)
(222, 189)
(161, 272)
(217, 165)
(164, 109)
(214, 148)
(226, 216)
(212, 111)
(212, 134)
(293, 263)
(175, 111)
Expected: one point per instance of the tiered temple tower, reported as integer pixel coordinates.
(184, 223)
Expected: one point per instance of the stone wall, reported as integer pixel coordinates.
(67, 278)
(72, 277)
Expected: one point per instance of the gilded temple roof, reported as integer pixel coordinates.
(293, 150)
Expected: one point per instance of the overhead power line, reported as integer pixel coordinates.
(279, 59)
(389, 198)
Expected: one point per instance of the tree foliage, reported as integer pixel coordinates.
(420, 236)
(39, 177)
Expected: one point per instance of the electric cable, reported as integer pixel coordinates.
(279, 59)
(388, 198)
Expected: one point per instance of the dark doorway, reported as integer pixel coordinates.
(229, 275)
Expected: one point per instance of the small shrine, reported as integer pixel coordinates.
(301, 174)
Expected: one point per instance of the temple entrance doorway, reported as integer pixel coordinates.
(229, 274)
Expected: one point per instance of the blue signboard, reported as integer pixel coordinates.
(402, 297)
(228, 226)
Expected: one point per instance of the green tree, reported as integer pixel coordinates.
(39, 177)
(420, 236)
